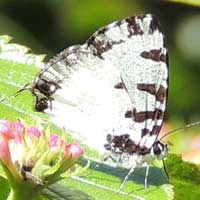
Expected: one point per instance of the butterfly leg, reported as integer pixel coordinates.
(109, 157)
(126, 178)
(146, 177)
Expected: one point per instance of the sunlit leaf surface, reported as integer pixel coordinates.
(17, 68)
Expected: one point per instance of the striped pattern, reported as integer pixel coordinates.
(114, 84)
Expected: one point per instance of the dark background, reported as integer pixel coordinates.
(49, 26)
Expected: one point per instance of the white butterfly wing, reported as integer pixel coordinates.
(87, 104)
(116, 83)
(136, 48)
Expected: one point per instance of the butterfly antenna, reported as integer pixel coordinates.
(16, 93)
(165, 169)
(178, 129)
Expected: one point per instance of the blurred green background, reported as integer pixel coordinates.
(49, 26)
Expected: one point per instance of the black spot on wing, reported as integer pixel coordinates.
(100, 46)
(154, 25)
(133, 25)
(144, 115)
(102, 30)
(144, 131)
(155, 130)
(119, 85)
(128, 114)
(155, 55)
(150, 88)
(124, 144)
(160, 94)
(164, 58)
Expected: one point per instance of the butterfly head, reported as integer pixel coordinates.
(43, 91)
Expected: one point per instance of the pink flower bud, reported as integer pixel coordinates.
(54, 140)
(5, 130)
(33, 131)
(22, 147)
(74, 151)
(18, 129)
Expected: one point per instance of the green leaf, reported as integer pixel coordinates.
(189, 2)
(185, 178)
(104, 181)
(57, 191)
(17, 68)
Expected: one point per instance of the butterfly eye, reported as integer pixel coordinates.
(119, 85)
(46, 87)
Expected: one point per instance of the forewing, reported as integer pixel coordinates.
(136, 47)
(116, 83)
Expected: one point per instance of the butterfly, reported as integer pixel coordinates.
(112, 91)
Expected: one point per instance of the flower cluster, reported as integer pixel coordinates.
(34, 155)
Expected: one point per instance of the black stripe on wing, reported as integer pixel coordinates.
(100, 42)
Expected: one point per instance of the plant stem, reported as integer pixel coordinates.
(22, 194)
